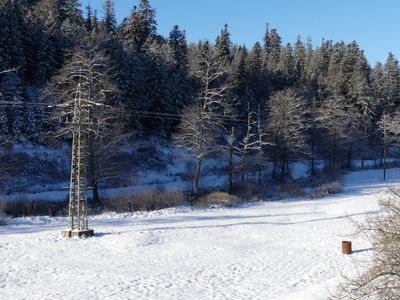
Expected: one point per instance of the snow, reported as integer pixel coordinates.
(267, 250)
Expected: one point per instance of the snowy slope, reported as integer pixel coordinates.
(275, 250)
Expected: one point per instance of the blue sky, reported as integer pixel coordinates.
(374, 24)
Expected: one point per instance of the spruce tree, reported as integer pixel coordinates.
(272, 46)
(223, 47)
(391, 82)
(178, 49)
(110, 20)
(140, 25)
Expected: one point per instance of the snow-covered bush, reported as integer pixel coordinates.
(217, 199)
(327, 189)
(382, 280)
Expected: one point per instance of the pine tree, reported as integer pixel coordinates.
(71, 20)
(377, 90)
(238, 72)
(258, 79)
(11, 39)
(178, 49)
(29, 123)
(284, 77)
(223, 47)
(272, 46)
(4, 132)
(110, 20)
(299, 64)
(391, 82)
(89, 18)
(140, 25)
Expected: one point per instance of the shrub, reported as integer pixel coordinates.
(217, 199)
(329, 175)
(327, 189)
(152, 200)
(381, 281)
(145, 201)
(251, 190)
(118, 203)
(291, 190)
(22, 208)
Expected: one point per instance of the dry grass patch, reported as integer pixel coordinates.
(217, 199)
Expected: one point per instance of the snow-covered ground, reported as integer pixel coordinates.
(268, 250)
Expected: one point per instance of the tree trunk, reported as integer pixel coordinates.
(197, 177)
(384, 159)
(385, 145)
(96, 198)
(230, 170)
(283, 164)
(312, 158)
(274, 163)
(349, 157)
(334, 152)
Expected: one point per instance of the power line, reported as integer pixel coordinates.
(139, 113)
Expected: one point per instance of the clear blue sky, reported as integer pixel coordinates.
(374, 24)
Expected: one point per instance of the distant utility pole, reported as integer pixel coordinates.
(81, 126)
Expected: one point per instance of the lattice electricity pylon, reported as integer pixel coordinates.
(81, 126)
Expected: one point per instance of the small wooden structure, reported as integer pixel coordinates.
(346, 248)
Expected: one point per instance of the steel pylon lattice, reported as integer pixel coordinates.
(78, 207)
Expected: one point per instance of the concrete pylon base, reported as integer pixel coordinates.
(68, 233)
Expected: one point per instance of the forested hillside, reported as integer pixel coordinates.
(250, 104)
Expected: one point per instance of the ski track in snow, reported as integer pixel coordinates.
(267, 250)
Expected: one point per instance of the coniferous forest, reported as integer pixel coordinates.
(258, 107)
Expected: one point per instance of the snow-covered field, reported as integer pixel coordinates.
(275, 250)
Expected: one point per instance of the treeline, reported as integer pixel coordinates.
(271, 102)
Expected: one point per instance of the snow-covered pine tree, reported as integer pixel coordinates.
(140, 25)
(272, 47)
(284, 77)
(259, 83)
(11, 39)
(3, 123)
(110, 21)
(391, 82)
(29, 129)
(71, 20)
(178, 51)
(299, 64)
(223, 47)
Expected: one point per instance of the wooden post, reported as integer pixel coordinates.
(346, 248)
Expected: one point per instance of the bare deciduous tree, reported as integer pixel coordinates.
(286, 127)
(389, 127)
(332, 117)
(90, 68)
(202, 119)
(382, 280)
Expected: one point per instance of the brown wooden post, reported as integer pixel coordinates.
(346, 248)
